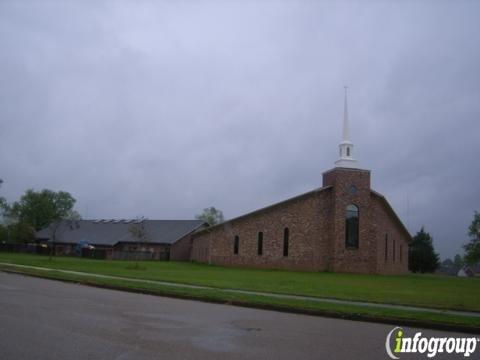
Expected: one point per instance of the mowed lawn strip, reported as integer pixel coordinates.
(398, 316)
(432, 291)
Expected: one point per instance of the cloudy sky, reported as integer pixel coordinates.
(162, 109)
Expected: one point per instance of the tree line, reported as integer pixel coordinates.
(423, 258)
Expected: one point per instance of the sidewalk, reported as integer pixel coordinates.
(258, 293)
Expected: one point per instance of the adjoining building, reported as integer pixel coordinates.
(343, 226)
(161, 240)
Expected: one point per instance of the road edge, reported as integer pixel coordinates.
(270, 307)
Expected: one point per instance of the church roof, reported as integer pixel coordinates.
(392, 212)
(298, 197)
(111, 232)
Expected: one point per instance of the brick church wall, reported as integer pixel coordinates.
(180, 250)
(390, 237)
(316, 223)
(308, 226)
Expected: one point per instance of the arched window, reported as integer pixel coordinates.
(236, 244)
(286, 235)
(260, 243)
(351, 227)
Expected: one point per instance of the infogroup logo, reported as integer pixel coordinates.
(431, 346)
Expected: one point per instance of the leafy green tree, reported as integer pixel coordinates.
(422, 257)
(20, 233)
(472, 249)
(3, 204)
(41, 208)
(211, 216)
(3, 233)
(458, 260)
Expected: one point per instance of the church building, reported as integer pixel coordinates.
(342, 226)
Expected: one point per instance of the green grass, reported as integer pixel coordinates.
(435, 320)
(431, 291)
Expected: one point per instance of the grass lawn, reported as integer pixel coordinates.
(431, 291)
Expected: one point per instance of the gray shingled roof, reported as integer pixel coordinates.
(111, 232)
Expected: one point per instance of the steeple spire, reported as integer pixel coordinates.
(346, 134)
(346, 146)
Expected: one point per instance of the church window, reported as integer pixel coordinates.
(348, 151)
(351, 227)
(236, 244)
(286, 235)
(386, 247)
(393, 250)
(260, 243)
(353, 189)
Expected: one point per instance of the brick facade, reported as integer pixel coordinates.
(181, 249)
(316, 232)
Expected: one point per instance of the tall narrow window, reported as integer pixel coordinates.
(393, 250)
(286, 235)
(260, 243)
(348, 151)
(386, 247)
(401, 253)
(236, 244)
(351, 227)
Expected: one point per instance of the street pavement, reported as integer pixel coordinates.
(45, 319)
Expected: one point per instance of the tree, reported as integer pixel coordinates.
(211, 216)
(140, 235)
(3, 204)
(458, 260)
(41, 208)
(422, 257)
(3, 233)
(20, 232)
(472, 249)
(448, 263)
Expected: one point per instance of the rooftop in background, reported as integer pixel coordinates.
(111, 232)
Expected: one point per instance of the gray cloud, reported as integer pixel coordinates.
(164, 109)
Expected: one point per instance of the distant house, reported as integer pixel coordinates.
(466, 272)
(448, 267)
(164, 239)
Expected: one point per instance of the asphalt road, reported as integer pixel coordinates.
(44, 319)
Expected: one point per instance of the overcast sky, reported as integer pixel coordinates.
(162, 109)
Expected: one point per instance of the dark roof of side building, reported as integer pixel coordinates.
(111, 232)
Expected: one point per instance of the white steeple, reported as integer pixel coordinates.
(346, 146)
